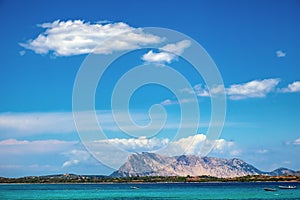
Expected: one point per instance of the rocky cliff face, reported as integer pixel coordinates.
(150, 164)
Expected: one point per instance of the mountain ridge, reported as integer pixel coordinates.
(151, 164)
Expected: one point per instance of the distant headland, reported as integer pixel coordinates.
(151, 167)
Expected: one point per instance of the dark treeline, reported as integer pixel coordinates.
(72, 178)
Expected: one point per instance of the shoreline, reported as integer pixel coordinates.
(111, 183)
(93, 179)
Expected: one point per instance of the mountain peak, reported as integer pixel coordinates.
(151, 164)
(282, 171)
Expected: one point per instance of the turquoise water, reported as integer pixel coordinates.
(148, 191)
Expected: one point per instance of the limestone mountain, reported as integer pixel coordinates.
(151, 164)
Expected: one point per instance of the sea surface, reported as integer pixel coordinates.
(148, 191)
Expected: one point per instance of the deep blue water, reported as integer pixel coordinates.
(148, 191)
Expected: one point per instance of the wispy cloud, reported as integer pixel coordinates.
(293, 87)
(75, 37)
(167, 53)
(262, 151)
(76, 157)
(28, 124)
(201, 91)
(62, 122)
(18, 170)
(168, 102)
(34, 123)
(177, 48)
(296, 142)
(21, 147)
(22, 53)
(280, 53)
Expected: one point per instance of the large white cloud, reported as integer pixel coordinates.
(168, 52)
(190, 145)
(75, 37)
(141, 144)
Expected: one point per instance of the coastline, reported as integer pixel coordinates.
(92, 179)
(145, 183)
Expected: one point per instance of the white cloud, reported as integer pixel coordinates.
(168, 52)
(297, 142)
(67, 38)
(192, 145)
(252, 89)
(280, 53)
(137, 144)
(22, 147)
(293, 87)
(160, 57)
(221, 144)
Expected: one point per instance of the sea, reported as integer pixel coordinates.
(148, 191)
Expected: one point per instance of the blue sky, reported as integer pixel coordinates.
(254, 44)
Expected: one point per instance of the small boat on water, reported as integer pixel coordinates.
(270, 189)
(287, 187)
(134, 187)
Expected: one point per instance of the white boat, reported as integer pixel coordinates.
(287, 187)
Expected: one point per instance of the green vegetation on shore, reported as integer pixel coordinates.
(72, 178)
